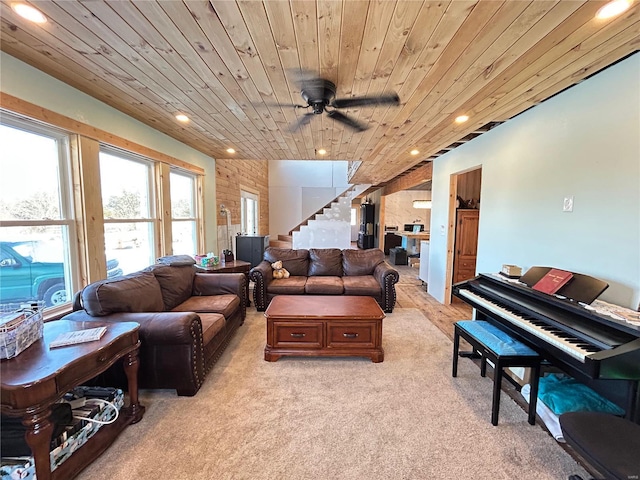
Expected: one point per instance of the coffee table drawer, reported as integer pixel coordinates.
(291, 334)
(360, 334)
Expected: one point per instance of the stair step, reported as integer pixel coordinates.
(279, 244)
(285, 238)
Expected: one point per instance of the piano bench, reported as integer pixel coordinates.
(608, 443)
(493, 344)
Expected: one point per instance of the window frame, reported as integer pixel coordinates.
(245, 195)
(67, 221)
(197, 207)
(153, 218)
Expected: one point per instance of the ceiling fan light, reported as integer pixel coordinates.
(29, 13)
(612, 9)
(422, 204)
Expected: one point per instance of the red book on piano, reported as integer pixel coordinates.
(553, 281)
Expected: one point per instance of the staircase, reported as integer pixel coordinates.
(329, 227)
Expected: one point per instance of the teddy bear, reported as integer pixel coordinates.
(278, 270)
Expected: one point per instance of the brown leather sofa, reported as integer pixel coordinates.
(325, 271)
(186, 320)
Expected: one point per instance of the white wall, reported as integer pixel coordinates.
(29, 84)
(298, 188)
(582, 143)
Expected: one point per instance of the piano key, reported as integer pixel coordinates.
(572, 346)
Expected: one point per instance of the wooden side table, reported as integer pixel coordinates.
(40, 376)
(237, 266)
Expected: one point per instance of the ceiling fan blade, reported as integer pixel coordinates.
(391, 98)
(302, 121)
(350, 122)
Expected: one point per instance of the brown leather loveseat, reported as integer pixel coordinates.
(186, 320)
(325, 271)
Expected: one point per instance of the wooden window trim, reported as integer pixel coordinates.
(49, 117)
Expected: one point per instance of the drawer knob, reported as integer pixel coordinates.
(297, 335)
(350, 335)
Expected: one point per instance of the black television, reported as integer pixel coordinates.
(408, 227)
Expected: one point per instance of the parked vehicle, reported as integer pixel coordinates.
(24, 279)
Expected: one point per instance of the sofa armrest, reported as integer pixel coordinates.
(171, 347)
(386, 273)
(262, 276)
(160, 328)
(387, 277)
(206, 284)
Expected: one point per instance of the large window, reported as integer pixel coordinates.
(54, 186)
(129, 209)
(183, 213)
(37, 238)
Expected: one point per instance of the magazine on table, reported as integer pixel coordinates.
(78, 336)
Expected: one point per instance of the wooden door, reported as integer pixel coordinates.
(466, 244)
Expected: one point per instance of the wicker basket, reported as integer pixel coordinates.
(18, 330)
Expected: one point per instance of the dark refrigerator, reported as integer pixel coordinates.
(366, 234)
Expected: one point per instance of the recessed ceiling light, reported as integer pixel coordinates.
(322, 151)
(182, 118)
(462, 118)
(611, 9)
(414, 152)
(230, 150)
(28, 12)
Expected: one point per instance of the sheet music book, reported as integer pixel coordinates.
(78, 336)
(553, 281)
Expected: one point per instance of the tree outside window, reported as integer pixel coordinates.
(36, 219)
(183, 213)
(129, 213)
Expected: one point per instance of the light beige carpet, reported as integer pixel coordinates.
(405, 418)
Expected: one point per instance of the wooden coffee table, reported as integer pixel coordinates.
(324, 326)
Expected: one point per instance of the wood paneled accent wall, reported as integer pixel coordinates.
(231, 176)
(469, 185)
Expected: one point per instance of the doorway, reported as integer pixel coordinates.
(464, 219)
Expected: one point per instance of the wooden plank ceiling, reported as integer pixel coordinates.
(231, 66)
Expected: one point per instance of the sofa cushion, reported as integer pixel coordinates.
(225, 304)
(324, 286)
(295, 261)
(287, 286)
(325, 261)
(212, 323)
(175, 282)
(361, 262)
(136, 292)
(361, 285)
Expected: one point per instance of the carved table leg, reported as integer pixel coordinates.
(38, 436)
(131, 366)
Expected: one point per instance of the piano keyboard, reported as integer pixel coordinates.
(553, 336)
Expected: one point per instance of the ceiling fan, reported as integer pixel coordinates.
(319, 95)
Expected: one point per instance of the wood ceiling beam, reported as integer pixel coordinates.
(416, 177)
